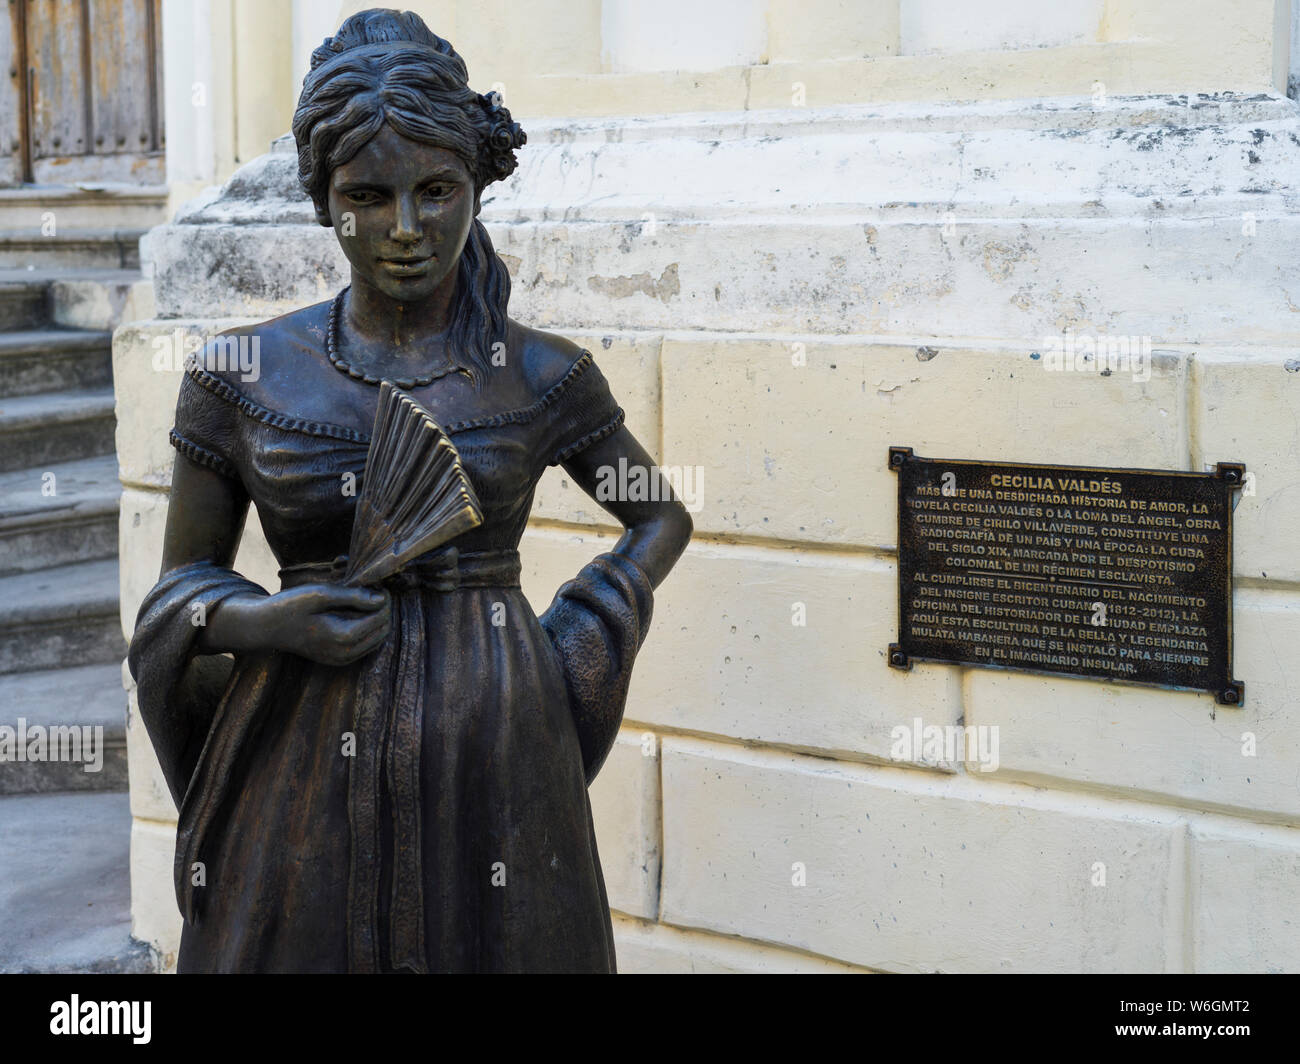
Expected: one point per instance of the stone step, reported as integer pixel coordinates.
(78, 522)
(82, 697)
(24, 304)
(50, 360)
(80, 298)
(89, 247)
(83, 226)
(59, 617)
(65, 892)
(83, 205)
(40, 430)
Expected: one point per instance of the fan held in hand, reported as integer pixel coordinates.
(416, 495)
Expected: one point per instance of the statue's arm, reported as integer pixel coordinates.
(327, 623)
(656, 531)
(205, 519)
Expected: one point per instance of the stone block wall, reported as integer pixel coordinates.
(777, 297)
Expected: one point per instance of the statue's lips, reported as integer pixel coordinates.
(409, 267)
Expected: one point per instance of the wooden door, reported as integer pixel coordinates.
(82, 102)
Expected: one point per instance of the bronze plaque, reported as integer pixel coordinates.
(1114, 574)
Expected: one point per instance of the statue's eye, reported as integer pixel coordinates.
(361, 197)
(438, 190)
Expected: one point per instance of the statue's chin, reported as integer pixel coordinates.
(408, 283)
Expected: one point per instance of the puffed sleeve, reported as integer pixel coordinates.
(584, 410)
(207, 421)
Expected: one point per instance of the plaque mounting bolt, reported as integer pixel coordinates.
(1230, 472)
(1233, 694)
(897, 456)
(898, 658)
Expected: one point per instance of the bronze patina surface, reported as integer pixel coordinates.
(1115, 574)
(393, 777)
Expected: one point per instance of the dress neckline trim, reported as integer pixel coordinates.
(277, 419)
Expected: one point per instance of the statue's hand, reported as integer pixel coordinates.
(327, 623)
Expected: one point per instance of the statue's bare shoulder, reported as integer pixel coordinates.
(544, 357)
(263, 359)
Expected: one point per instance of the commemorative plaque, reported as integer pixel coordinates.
(1113, 574)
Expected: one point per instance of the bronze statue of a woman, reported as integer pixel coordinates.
(393, 778)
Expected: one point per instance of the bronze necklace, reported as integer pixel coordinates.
(343, 366)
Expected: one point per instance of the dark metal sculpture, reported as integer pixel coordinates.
(393, 777)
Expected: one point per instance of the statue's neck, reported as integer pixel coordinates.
(374, 318)
(384, 337)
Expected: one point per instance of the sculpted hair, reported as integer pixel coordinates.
(387, 67)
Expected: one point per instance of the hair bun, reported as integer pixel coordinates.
(504, 137)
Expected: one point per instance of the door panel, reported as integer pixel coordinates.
(12, 75)
(92, 94)
(57, 55)
(121, 114)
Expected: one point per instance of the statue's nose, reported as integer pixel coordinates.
(406, 227)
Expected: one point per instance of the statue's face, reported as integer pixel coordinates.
(402, 211)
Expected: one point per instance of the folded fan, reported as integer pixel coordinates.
(415, 495)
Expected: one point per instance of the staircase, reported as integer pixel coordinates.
(64, 830)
